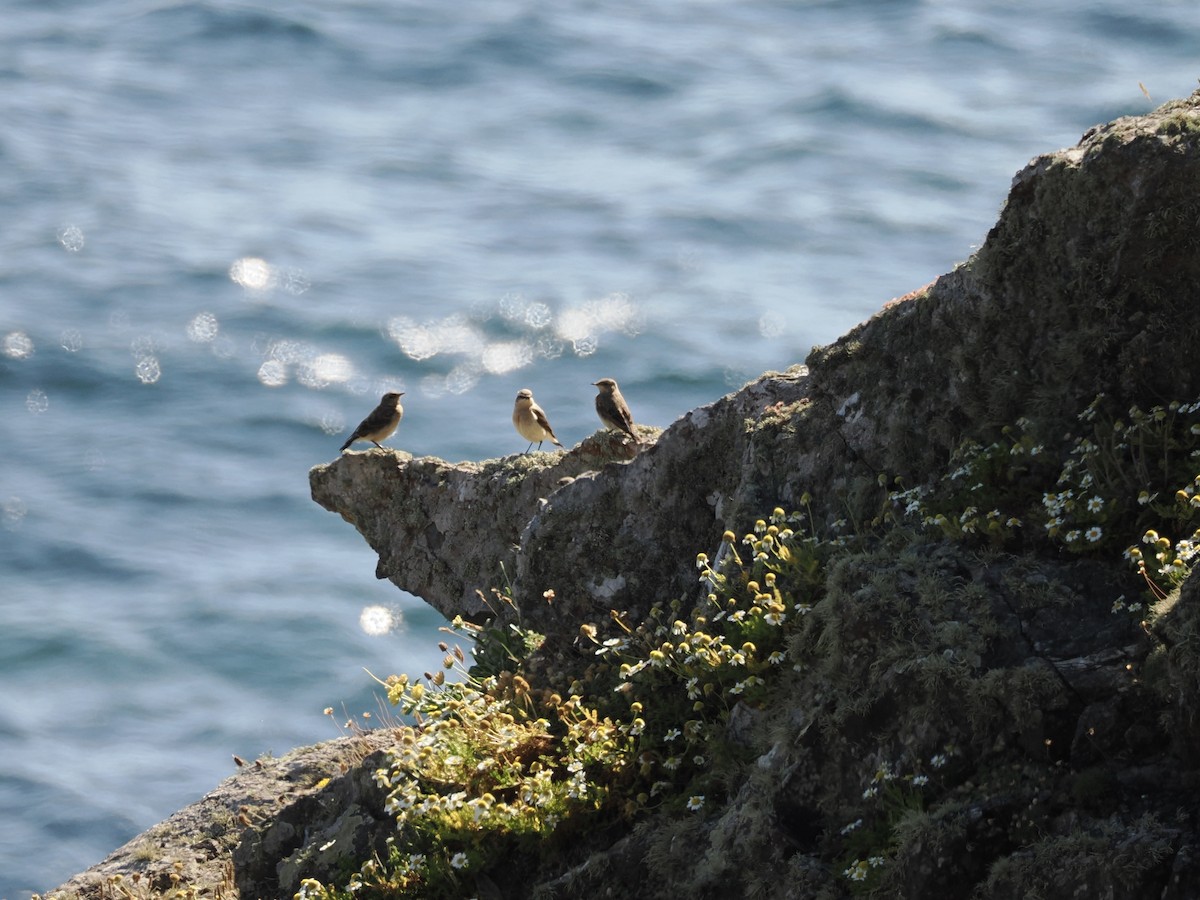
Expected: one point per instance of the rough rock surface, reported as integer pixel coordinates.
(1088, 283)
(269, 801)
(1082, 725)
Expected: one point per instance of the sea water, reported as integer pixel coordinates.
(228, 227)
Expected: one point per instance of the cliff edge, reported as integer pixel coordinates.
(919, 659)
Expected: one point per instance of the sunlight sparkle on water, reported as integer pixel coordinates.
(71, 237)
(531, 313)
(420, 341)
(332, 423)
(582, 326)
(379, 620)
(549, 348)
(415, 341)
(273, 373)
(461, 379)
(18, 345)
(203, 328)
(71, 340)
(143, 348)
(456, 335)
(324, 370)
(287, 351)
(253, 273)
(37, 402)
(148, 370)
(506, 356)
(280, 356)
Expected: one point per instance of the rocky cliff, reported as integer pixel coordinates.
(969, 691)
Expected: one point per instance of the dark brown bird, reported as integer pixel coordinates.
(531, 422)
(382, 421)
(612, 408)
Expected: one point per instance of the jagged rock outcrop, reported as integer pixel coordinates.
(1087, 284)
(1074, 729)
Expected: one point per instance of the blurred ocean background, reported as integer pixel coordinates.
(229, 227)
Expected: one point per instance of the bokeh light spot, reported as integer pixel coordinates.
(37, 402)
(288, 351)
(324, 370)
(18, 345)
(582, 326)
(456, 335)
(574, 324)
(72, 340)
(616, 312)
(71, 237)
(506, 356)
(148, 370)
(415, 341)
(253, 273)
(273, 373)
(529, 313)
(549, 348)
(538, 315)
(203, 328)
(379, 620)
(332, 423)
(461, 379)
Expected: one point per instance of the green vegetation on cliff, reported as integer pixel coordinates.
(887, 707)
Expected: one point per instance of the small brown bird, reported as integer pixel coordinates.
(382, 421)
(531, 422)
(612, 408)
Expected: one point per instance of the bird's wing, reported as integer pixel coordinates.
(540, 415)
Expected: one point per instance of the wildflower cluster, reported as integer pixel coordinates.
(1113, 473)
(1174, 559)
(682, 674)
(493, 767)
(890, 793)
(490, 768)
(985, 493)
